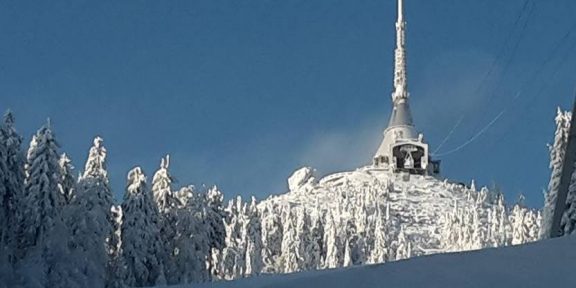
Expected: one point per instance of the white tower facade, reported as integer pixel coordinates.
(402, 148)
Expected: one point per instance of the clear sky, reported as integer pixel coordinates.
(242, 93)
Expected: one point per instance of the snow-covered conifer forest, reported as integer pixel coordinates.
(61, 227)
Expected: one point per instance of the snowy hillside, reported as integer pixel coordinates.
(544, 264)
(424, 209)
(365, 216)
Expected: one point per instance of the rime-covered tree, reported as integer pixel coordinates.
(67, 181)
(90, 218)
(162, 188)
(332, 241)
(364, 235)
(380, 250)
(167, 204)
(117, 270)
(140, 238)
(5, 217)
(5, 198)
(11, 187)
(214, 216)
(568, 223)
(535, 229)
(290, 243)
(316, 245)
(231, 263)
(347, 255)
(44, 235)
(43, 201)
(304, 236)
(251, 232)
(402, 246)
(501, 224)
(186, 227)
(557, 152)
(190, 252)
(271, 239)
(356, 242)
(519, 229)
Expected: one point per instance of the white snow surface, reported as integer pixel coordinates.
(547, 263)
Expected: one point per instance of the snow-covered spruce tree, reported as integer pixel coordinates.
(167, 204)
(43, 202)
(535, 230)
(557, 151)
(117, 270)
(90, 217)
(364, 236)
(304, 236)
(316, 246)
(239, 209)
(450, 231)
(568, 224)
(44, 235)
(333, 257)
(519, 230)
(214, 216)
(191, 248)
(271, 239)
(162, 188)
(524, 223)
(231, 262)
(494, 238)
(347, 254)
(252, 234)
(402, 246)
(6, 251)
(481, 227)
(356, 242)
(477, 237)
(185, 251)
(67, 181)
(381, 245)
(12, 187)
(290, 242)
(349, 236)
(140, 238)
(501, 223)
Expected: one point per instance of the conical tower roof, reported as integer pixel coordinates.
(401, 114)
(401, 123)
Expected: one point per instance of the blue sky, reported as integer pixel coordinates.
(241, 93)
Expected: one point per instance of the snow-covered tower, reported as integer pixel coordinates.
(403, 149)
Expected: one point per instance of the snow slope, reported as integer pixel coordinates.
(435, 215)
(366, 216)
(543, 264)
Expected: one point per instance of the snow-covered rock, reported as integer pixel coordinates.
(301, 179)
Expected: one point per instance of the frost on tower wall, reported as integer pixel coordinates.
(403, 149)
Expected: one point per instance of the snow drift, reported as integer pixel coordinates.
(544, 264)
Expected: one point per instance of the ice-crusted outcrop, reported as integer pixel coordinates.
(302, 179)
